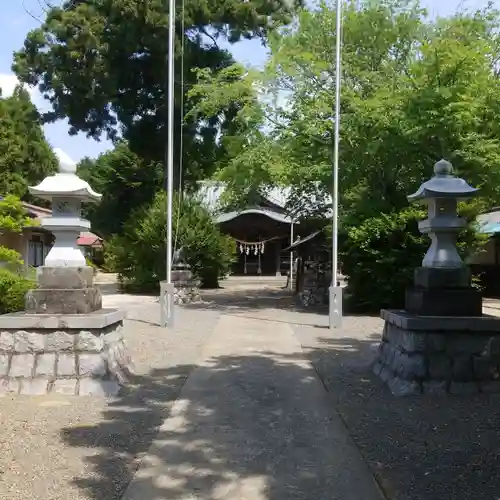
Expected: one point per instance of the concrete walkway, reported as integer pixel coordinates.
(253, 422)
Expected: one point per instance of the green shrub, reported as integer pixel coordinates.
(380, 254)
(89, 262)
(13, 288)
(138, 256)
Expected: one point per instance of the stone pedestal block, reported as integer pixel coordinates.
(429, 277)
(63, 301)
(187, 292)
(81, 354)
(446, 355)
(181, 275)
(443, 302)
(186, 288)
(64, 277)
(64, 290)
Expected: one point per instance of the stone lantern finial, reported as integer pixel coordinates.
(443, 168)
(66, 164)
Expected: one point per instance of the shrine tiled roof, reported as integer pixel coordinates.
(211, 192)
(228, 216)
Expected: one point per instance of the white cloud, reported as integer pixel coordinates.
(8, 82)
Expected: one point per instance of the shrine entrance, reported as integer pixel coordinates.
(260, 236)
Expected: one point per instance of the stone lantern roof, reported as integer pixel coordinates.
(443, 185)
(65, 183)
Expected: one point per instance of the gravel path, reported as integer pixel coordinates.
(55, 448)
(422, 448)
(83, 448)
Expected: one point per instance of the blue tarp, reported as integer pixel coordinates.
(490, 228)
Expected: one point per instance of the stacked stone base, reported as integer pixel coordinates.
(186, 292)
(64, 290)
(439, 355)
(66, 354)
(186, 288)
(314, 289)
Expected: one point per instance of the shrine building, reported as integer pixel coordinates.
(261, 230)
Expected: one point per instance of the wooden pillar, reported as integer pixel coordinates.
(278, 260)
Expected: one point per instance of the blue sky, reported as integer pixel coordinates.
(15, 22)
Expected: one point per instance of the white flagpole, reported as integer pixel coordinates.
(335, 306)
(170, 159)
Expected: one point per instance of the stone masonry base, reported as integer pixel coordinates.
(72, 361)
(453, 357)
(186, 292)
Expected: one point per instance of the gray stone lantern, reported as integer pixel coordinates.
(441, 342)
(442, 286)
(441, 193)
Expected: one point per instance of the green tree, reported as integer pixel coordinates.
(101, 64)
(126, 182)
(13, 286)
(414, 90)
(25, 156)
(138, 255)
(13, 219)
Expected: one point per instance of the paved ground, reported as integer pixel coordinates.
(425, 448)
(83, 448)
(55, 448)
(491, 306)
(253, 422)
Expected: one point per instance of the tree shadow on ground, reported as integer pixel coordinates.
(228, 300)
(260, 429)
(242, 424)
(419, 448)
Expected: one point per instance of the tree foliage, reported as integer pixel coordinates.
(126, 182)
(138, 255)
(13, 219)
(13, 289)
(101, 64)
(25, 156)
(414, 90)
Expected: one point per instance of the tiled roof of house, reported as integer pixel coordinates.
(88, 239)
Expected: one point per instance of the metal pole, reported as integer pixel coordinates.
(335, 309)
(170, 161)
(291, 256)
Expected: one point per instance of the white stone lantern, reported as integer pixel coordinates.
(67, 192)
